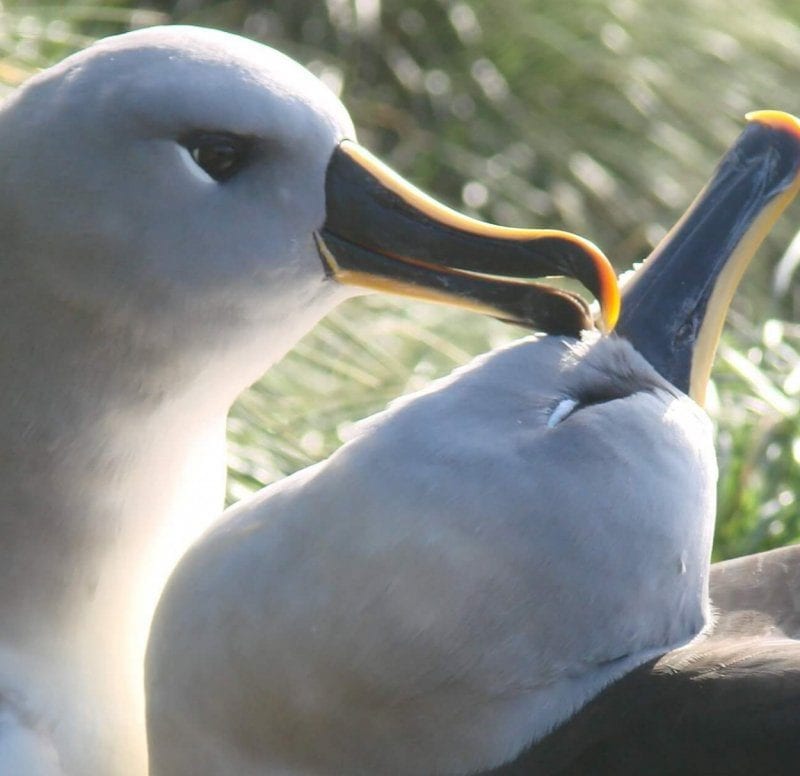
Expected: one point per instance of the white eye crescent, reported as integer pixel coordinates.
(563, 410)
(198, 172)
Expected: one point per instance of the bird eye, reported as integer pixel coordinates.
(592, 396)
(219, 155)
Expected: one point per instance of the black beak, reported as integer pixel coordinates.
(674, 306)
(381, 233)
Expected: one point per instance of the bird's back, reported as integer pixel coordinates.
(727, 705)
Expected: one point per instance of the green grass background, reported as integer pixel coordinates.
(604, 118)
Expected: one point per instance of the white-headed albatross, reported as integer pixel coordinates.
(484, 557)
(176, 208)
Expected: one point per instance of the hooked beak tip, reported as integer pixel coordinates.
(608, 293)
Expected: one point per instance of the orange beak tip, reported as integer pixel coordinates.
(609, 293)
(777, 119)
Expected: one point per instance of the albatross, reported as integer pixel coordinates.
(728, 704)
(489, 555)
(177, 207)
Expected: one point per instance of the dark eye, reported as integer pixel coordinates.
(220, 155)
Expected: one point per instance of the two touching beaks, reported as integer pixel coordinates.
(382, 233)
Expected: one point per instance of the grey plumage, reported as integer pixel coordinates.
(163, 218)
(433, 597)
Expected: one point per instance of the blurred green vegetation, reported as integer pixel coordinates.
(604, 118)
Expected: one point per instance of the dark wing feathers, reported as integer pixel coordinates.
(765, 587)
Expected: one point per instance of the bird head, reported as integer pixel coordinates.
(203, 194)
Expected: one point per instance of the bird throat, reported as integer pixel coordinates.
(101, 498)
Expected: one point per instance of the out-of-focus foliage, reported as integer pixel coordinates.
(605, 118)
(34, 35)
